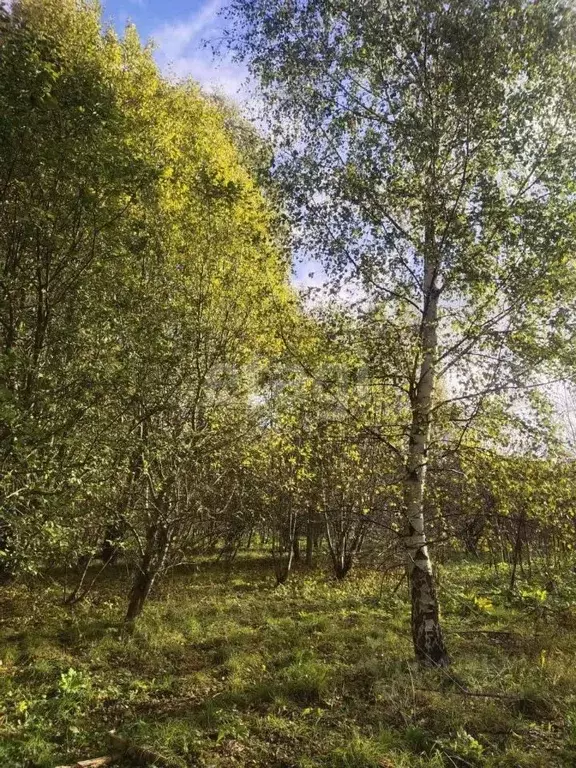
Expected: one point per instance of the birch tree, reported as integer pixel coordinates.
(427, 150)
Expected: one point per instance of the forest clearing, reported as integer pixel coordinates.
(287, 385)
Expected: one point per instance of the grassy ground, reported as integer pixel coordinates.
(228, 671)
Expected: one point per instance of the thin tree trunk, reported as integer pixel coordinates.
(284, 557)
(72, 597)
(296, 547)
(427, 635)
(141, 586)
(283, 571)
(80, 593)
(309, 545)
(152, 563)
(5, 570)
(112, 537)
(517, 551)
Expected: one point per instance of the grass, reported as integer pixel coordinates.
(229, 671)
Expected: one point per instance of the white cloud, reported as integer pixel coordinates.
(174, 38)
(184, 50)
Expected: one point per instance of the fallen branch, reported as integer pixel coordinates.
(480, 694)
(95, 762)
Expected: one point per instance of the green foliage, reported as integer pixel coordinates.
(165, 400)
(142, 292)
(422, 146)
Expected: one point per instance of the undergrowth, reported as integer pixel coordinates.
(226, 670)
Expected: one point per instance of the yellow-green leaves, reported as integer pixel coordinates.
(142, 282)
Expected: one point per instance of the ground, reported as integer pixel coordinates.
(226, 670)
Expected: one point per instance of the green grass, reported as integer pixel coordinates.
(229, 671)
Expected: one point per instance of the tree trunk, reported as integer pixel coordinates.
(110, 546)
(296, 547)
(517, 554)
(141, 586)
(342, 566)
(309, 546)
(427, 636)
(73, 596)
(5, 569)
(151, 564)
(283, 548)
(283, 569)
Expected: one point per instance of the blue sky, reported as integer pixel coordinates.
(180, 28)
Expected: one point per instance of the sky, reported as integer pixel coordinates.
(181, 29)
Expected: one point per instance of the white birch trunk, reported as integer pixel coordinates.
(426, 631)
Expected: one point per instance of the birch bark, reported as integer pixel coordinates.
(426, 630)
